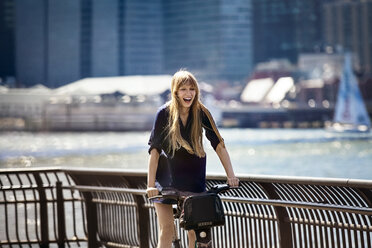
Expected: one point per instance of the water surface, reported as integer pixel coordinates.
(291, 152)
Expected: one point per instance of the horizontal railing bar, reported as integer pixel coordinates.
(107, 189)
(280, 203)
(252, 216)
(104, 171)
(22, 242)
(38, 201)
(31, 169)
(20, 187)
(148, 205)
(112, 244)
(122, 203)
(324, 181)
(332, 224)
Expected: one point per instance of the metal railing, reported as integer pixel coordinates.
(32, 209)
(83, 207)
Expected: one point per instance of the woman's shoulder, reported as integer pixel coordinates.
(163, 111)
(164, 108)
(204, 111)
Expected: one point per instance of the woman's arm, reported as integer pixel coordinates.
(222, 153)
(151, 174)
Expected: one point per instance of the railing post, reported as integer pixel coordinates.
(61, 215)
(44, 243)
(143, 222)
(91, 220)
(285, 230)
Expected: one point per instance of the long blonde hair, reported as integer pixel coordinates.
(176, 141)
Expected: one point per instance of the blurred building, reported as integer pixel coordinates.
(6, 39)
(274, 69)
(142, 38)
(283, 29)
(211, 38)
(47, 42)
(58, 42)
(348, 27)
(96, 104)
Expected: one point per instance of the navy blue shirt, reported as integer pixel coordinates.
(183, 171)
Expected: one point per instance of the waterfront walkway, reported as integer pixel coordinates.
(82, 207)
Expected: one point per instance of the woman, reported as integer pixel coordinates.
(177, 157)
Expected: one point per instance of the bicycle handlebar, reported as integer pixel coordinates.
(171, 193)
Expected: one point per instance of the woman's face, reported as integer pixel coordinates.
(186, 95)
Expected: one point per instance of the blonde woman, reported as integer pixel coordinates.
(177, 157)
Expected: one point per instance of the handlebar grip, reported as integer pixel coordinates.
(155, 197)
(167, 193)
(235, 187)
(218, 188)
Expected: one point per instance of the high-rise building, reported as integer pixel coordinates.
(211, 38)
(47, 47)
(348, 27)
(284, 29)
(143, 37)
(61, 41)
(30, 42)
(7, 67)
(58, 42)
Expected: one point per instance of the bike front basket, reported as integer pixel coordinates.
(202, 211)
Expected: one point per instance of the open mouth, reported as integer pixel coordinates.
(187, 99)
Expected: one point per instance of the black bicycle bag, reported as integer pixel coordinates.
(202, 211)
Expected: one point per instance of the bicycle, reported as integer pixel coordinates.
(202, 221)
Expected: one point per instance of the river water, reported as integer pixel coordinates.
(288, 152)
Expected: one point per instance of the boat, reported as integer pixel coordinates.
(350, 111)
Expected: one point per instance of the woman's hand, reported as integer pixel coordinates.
(233, 181)
(152, 191)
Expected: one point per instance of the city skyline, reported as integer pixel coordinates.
(57, 42)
